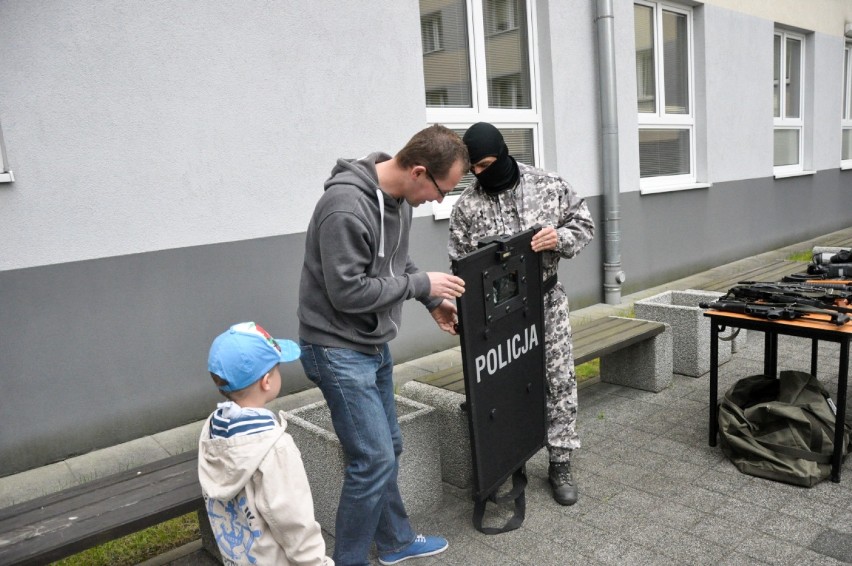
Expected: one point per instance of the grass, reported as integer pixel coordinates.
(805, 256)
(139, 546)
(588, 370)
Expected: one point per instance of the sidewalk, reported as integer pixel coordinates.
(651, 489)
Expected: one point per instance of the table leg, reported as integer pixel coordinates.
(840, 421)
(770, 354)
(814, 353)
(767, 353)
(714, 382)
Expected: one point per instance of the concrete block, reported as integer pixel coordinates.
(118, 458)
(419, 466)
(646, 365)
(37, 482)
(180, 439)
(690, 328)
(452, 428)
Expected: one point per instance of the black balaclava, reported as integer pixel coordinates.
(484, 140)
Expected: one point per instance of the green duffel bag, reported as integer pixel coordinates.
(780, 429)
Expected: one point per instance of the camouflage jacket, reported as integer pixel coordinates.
(539, 198)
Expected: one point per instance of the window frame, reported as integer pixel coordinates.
(660, 119)
(436, 23)
(782, 122)
(480, 111)
(6, 175)
(846, 110)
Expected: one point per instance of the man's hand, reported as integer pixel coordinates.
(445, 315)
(445, 285)
(545, 239)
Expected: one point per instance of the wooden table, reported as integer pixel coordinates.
(816, 327)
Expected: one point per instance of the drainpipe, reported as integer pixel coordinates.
(613, 275)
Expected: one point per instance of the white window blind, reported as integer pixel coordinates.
(446, 54)
(506, 56)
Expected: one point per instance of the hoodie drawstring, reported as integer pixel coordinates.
(380, 196)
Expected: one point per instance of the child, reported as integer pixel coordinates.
(251, 473)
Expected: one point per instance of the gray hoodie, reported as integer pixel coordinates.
(357, 272)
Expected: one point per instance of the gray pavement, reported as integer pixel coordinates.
(651, 489)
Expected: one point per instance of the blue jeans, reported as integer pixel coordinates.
(359, 391)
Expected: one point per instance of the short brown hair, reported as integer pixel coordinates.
(229, 395)
(437, 148)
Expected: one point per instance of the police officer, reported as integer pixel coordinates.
(509, 197)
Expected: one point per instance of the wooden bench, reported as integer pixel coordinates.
(599, 338)
(72, 520)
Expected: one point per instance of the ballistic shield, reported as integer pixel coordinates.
(501, 324)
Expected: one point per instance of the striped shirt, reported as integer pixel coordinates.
(231, 420)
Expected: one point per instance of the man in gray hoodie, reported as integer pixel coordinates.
(355, 278)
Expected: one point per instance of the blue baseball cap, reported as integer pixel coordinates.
(246, 352)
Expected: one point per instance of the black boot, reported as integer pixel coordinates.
(564, 489)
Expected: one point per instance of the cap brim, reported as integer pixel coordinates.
(290, 351)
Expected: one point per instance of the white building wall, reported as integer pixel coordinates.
(739, 96)
(146, 125)
(571, 102)
(826, 92)
(823, 16)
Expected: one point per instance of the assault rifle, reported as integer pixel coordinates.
(805, 278)
(773, 311)
(830, 269)
(808, 295)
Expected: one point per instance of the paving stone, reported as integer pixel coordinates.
(739, 559)
(767, 548)
(665, 512)
(616, 552)
(800, 532)
(718, 530)
(808, 556)
(833, 543)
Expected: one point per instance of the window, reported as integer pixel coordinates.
(846, 121)
(483, 72)
(500, 16)
(6, 175)
(663, 44)
(432, 32)
(788, 101)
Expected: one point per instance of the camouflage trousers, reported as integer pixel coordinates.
(562, 435)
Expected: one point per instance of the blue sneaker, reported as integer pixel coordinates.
(422, 546)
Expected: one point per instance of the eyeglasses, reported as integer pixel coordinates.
(434, 182)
